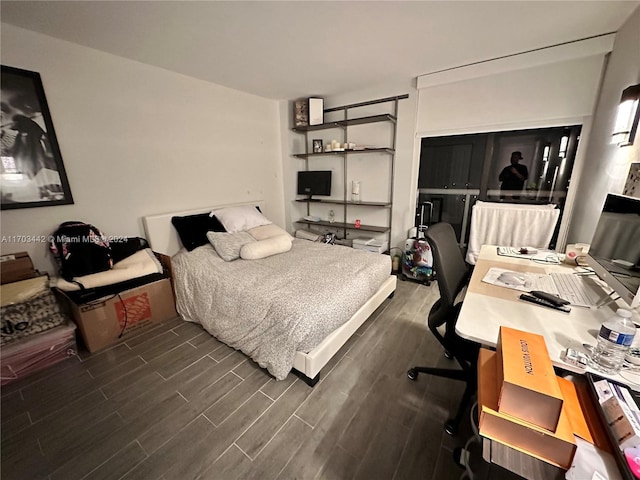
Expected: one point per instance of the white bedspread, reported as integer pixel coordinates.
(510, 225)
(272, 307)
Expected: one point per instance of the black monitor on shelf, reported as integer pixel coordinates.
(314, 182)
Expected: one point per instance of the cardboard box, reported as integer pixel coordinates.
(24, 290)
(15, 267)
(556, 447)
(528, 384)
(101, 322)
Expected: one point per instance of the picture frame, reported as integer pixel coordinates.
(301, 113)
(316, 110)
(318, 146)
(32, 172)
(308, 112)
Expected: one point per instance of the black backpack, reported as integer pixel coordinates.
(80, 249)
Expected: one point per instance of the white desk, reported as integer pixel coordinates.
(486, 307)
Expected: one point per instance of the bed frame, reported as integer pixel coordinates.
(164, 240)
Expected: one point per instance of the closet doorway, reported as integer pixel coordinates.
(456, 171)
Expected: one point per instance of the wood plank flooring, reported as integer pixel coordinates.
(174, 403)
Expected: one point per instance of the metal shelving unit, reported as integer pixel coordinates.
(344, 124)
(347, 122)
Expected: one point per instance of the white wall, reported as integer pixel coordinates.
(371, 170)
(606, 166)
(139, 140)
(546, 95)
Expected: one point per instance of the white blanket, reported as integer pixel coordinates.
(137, 265)
(510, 225)
(273, 307)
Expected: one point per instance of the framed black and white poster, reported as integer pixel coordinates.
(32, 173)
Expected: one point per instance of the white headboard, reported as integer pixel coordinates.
(161, 234)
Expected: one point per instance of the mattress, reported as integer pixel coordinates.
(273, 307)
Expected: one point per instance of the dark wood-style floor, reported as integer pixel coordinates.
(174, 403)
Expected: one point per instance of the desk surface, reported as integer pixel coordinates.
(486, 307)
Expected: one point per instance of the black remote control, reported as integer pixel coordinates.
(549, 297)
(544, 303)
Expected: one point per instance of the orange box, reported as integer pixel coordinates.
(556, 448)
(105, 321)
(528, 385)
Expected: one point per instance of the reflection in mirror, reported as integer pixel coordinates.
(521, 166)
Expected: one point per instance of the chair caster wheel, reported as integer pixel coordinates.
(447, 354)
(412, 374)
(451, 428)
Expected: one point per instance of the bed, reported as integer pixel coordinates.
(320, 318)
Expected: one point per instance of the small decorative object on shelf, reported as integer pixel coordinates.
(301, 113)
(308, 111)
(316, 111)
(332, 216)
(355, 191)
(357, 224)
(317, 146)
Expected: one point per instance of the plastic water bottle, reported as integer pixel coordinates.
(615, 338)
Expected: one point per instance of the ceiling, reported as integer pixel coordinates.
(284, 50)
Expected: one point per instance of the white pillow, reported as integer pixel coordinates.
(228, 245)
(267, 231)
(265, 248)
(240, 219)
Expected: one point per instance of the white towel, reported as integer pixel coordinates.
(510, 225)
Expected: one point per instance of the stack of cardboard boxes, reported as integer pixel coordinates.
(524, 405)
(35, 333)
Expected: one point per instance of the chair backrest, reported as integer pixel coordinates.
(451, 270)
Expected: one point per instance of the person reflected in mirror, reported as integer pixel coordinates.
(513, 177)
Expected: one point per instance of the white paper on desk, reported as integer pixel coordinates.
(589, 459)
(541, 256)
(532, 281)
(513, 252)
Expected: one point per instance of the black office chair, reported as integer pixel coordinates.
(452, 275)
